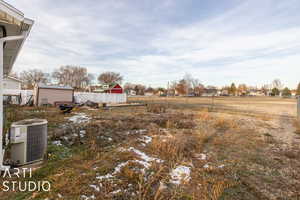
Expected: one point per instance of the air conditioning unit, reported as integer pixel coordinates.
(28, 140)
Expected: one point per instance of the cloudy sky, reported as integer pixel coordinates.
(156, 41)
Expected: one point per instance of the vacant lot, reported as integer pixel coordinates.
(175, 148)
(264, 105)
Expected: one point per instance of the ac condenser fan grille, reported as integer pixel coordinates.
(36, 142)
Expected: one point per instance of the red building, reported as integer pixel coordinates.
(115, 88)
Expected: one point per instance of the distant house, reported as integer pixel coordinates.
(294, 93)
(11, 83)
(54, 95)
(224, 92)
(113, 88)
(255, 92)
(131, 92)
(149, 92)
(208, 92)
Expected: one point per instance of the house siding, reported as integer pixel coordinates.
(11, 84)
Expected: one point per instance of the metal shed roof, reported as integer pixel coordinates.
(12, 23)
(41, 85)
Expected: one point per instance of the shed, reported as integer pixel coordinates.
(11, 83)
(54, 95)
(114, 88)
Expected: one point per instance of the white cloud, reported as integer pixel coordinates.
(252, 41)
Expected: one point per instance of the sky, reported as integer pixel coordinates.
(156, 41)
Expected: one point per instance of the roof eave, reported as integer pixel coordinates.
(29, 22)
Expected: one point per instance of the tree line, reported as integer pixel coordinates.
(79, 78)
(74, 76)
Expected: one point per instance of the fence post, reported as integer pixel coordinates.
(298, 108)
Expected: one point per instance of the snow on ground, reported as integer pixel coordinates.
(145, 162)
(57, 143)
(201, 156)
(146, 140)
(116, 191)
(206, 166)
(79, 118)
(180, 174)
(84, 197)
(140, 131)
(82, 133)
(144, 156)
(95, 187)
(221, 166)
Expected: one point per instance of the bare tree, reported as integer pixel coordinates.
(277, 84)
(128, 87)
(74, 76)
(182, 87)
(110, 77)
(193, 85)
(199, 89)
(242, 89)
(32, 77)
(139, 89)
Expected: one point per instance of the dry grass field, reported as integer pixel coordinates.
(263, 105)
(173, 148)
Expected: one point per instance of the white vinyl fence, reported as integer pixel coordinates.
(25, 94)
(82, 97)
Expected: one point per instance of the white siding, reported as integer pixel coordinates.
(11, 84)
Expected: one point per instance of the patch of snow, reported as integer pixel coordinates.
(120, 166)
(79, 118)
(201, 156)
(84, 197)
(59, 195)
(206, 166)
(144, 156)
(57, 143)
(144, 162)
(180, 174)
(140, 131)
(82, 133)
(107, 176)
(95, 187)
(146, 139)
(109, 139)
(221, 166)
(116, 191)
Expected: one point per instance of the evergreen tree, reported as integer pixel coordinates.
(286, 92)
(275, 92)
(232, 89)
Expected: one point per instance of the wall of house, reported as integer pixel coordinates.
(11, 84)
(53, 95)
